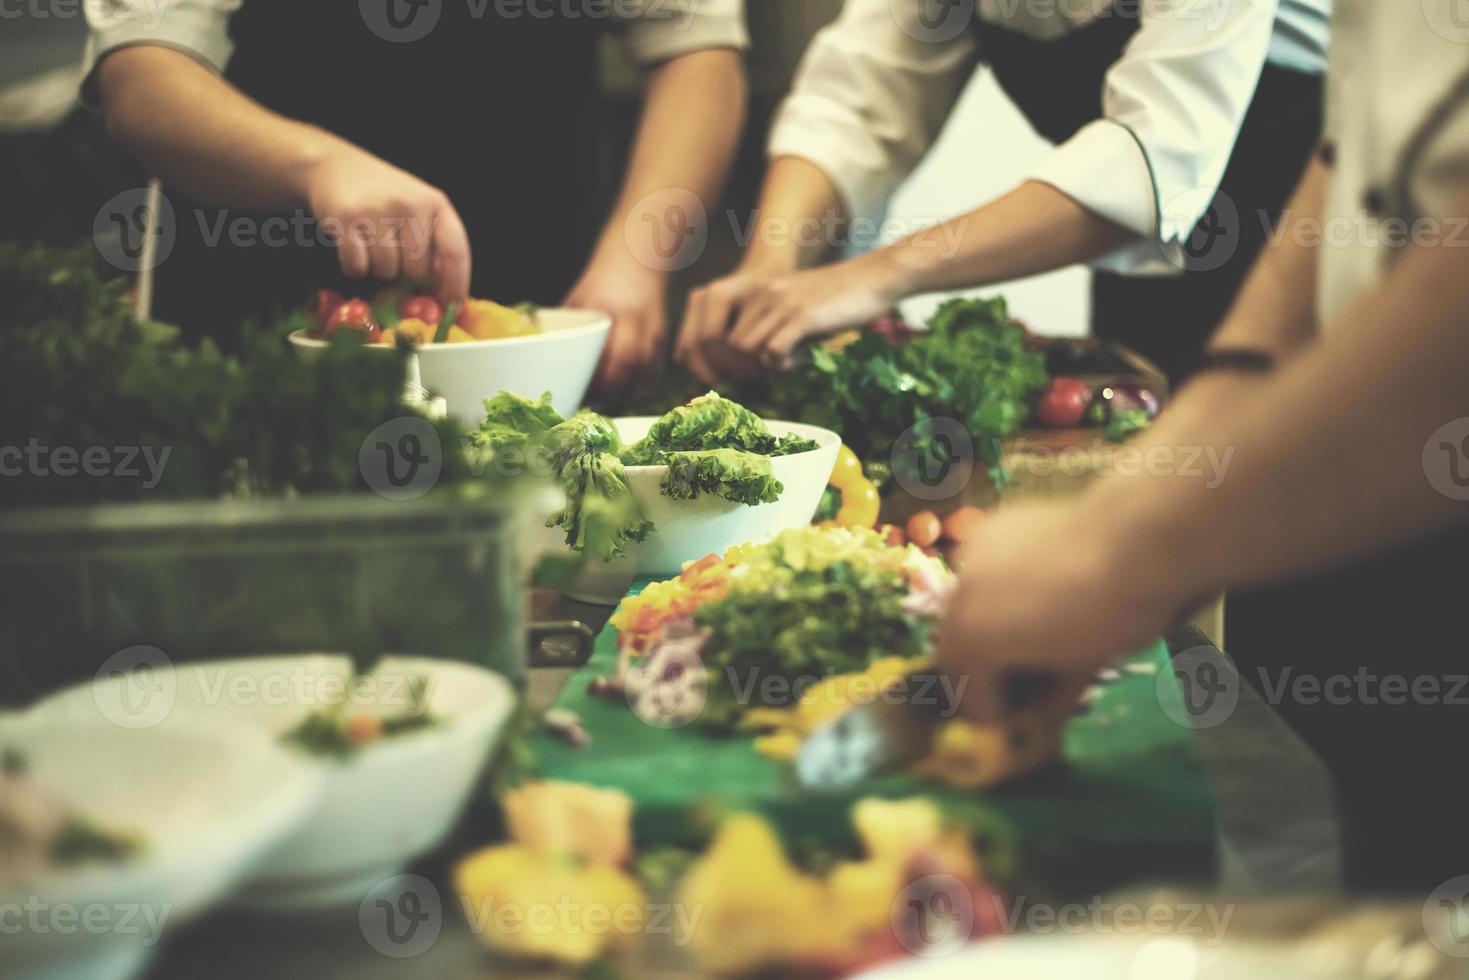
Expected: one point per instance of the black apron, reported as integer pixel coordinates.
(1058, 85)
(498, 110)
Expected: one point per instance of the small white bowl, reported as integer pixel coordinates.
(207, 801)
(380, 807)
(560, 359)
(687, 530)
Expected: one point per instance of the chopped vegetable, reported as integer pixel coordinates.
(712, 422)
(332, 731)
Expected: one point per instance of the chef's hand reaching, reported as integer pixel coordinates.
(634, 296)
(758, 317)
(1051, 588)
(387, 223)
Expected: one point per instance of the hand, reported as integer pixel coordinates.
(634, 297)
(1056, 588)
(751, 318)
(388, 223)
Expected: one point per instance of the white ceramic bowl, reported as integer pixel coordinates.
(687, 530)
(380, 807)
(207, 801)
(560, 360)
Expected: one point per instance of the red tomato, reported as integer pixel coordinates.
(893, 535)
(355, 314)
(924, 528)
(424, 308)
(1064, 403)
(322, 304)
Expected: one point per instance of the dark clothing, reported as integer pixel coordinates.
(1058, 84)
(497, 111)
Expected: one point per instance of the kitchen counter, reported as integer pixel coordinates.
(1277, 835)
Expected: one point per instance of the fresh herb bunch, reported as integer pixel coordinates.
(81, 371)
(971, 365)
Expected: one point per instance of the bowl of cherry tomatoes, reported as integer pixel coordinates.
(468, 352)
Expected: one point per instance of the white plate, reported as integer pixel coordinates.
(207, 801)
(380, 807)
(560, 359)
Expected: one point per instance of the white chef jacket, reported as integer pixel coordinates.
(653, 31)
(1397, 138)
(877, 84)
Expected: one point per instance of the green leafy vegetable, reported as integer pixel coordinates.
(1125, 424)
(711, 421)
(511, 420)
(745, 478)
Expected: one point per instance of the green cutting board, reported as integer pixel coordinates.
(1130, 802)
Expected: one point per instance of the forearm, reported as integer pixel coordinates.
(1032, 229)
(681, 148)
(796, 224)
(1276, 307)
(202, 135)
(1326, 459)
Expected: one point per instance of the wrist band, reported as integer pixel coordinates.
(1243, 360)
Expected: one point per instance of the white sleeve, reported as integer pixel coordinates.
(665, 29)
(1172, 107)
(872, 93)
(199, 28)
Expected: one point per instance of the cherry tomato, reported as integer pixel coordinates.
(860, 505)
(924, 528)
(322, 304)
(424, 308)
(1064, 403)
(893, 535)
(960, 524)
(362, 729)
(848, 469)
(355, 314)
